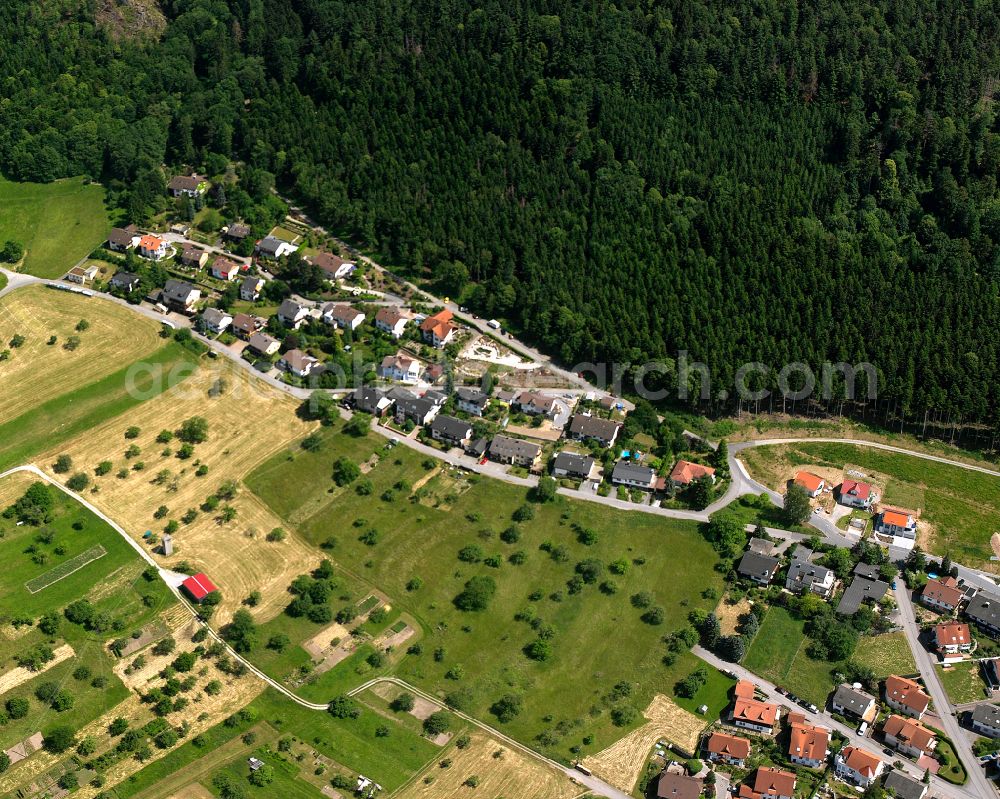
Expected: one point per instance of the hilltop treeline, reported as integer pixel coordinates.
(751, 181)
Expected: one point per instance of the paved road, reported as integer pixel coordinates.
(978, 784)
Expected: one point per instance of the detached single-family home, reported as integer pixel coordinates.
(438, 330)
(685, 472)
(226, 269)
(126, 281)
(535, 404)
(584, 427)
(237, 231)
(263, 344)
(342, 315)
(333, 266)
(272, 248)
(896, 523)
(215, 320)
(569, 464)
(471, 400)
(674, 785)
(908, 736)
(292, 314)
(904, 787)
(857, 766)
(863, 588)
(180, 295)
(942, 594)
(634, 475)
(368, 399)
(808, 743)
(812, 483)
(451, 430)
(251, 287)
(391, 320)
(187, 185)
(985, 719)
(298, 363)
(850, 700)
(855, 494)
(906, 696)
(245, 325)
(121, 239)
(505, 449)
(759, 568)
(153, 247)
(400, 367)
(193, 257)
(984, 612)
(79, 274)
(769, 783)
(952, 638)
(805, 576)
(729, 749)
(418, 410)
(752, 714)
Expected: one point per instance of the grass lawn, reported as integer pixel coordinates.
(3, 281)
(962, 506)
(953, 772)
(286, 783)
(886, 654)
(778, 654)
(58, 223)
(963, 683)
(716, 693)
(746, 510)
(597, 639)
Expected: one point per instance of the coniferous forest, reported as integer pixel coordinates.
(745, 181)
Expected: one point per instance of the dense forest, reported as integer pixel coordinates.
(747, 181)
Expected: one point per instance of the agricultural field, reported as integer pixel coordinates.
(388, 530)
(963, 683)
(958, 508)
(37, 371)
(58, 223)
(246, 422)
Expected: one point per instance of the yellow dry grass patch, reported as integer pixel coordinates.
(13, 486)
(18, 675)
(621, 764)
(247, 422)
(37, 372)
(729, 615)
(510, 775)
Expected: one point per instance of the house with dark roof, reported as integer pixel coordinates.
(804, 576)
(272, 248)
(333, 266)
(505, 449)
(903, 786)
(759, 568)
(292, 314)
(984, 612)
(187, 186)
(471, 400)
(850, 700)
(263, 344)
(215, 320)
(672, 785)
(633, 475)
(985, 719)
(451, 430)
(342, 315)
(126, 281)
(121, 239)
(418, 410)
(369, 399)
(180, 296)
(193, 257)
(245, 325)
(862, 589)
(570, 464)
(583, 427)
(237, 231)
(251, 287)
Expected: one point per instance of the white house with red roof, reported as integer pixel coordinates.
(952, 639)
(896, 523)
(152, 247)
(906, 696)
(855, 494)
(685, 472)
(942, 594)
(813, 484)
(857, 766)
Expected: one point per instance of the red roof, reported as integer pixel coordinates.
(809, 481)
(855, 489)
(895, 518)
(907, 693)
(199, 586)
(685, 472)
(952, 633)
(945, 591)
(730, 745)
(148, 242)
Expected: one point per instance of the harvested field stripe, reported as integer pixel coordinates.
(63, 570)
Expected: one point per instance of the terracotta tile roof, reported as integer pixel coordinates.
(944, 591)
(774, 782)
(809, 481)
(907, 693)
(148, 242)
(855, 488)
(952, 633)
(807, 740)
(730, 745)
(439, 325)
(744, 689)
(754, 712)
(685, 472)
(909, 731)
(895, 518)
(860, 760)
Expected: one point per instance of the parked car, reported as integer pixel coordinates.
(863, 728)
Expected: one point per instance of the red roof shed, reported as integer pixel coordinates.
(199, 586)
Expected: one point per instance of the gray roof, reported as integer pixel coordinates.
(213, 316)
(250, 282)
(122, 236)
(289, 308)
(452, 428)
(804, 571)
(761, 545)
(758, 566)
(905, 787)
(472, 396)
(633, 473)
(867, 570)
(415, 408)
(178, 290)
(269, 245)
(507, 447)
(860, 591)
(593, 427)
(984, 609)
(261, 341)
(479, 446)
(124, 279)
(802, 553)
(987, 714)
(367, 398)
(573, 463)
(853, 700)
(435, 396)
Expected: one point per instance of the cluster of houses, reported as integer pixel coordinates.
(961, 607)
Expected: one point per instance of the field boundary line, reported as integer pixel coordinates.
(87, 562)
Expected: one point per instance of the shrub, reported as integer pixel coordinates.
(78, 482)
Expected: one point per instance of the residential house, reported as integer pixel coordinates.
(985, 719)
(292, 314)
(850, 700)
(180, 296)
(759, 568)
(471, 400)
(391, 320)
(333, 266)
(126, 281)
(593, 428)
(942, 594)
(804, 576)
(864, 588)
(193, 257)
(896, 523)
(251, 287)
(855, 494)
(984, 612)
(121, 239)
(79, 274)
(952, 639)
(370, 400)
(535, 404)
(570, 464)
(438, 329)
(297, 363)
(245, 325)
(215, 320)
(673, 785)
(750, 713)
(904, 787)
(237, 232)
(272, 248)
(813, 484)
(685, 472)
(263, 344)
(418, 410)
(808, 743)
(226, 269)
(729, 749)
(187, 186)
(857, 766)
(342, 315)
(769, 783)
(451, 430)
(633, 475)
(153, 247)
(399, 367)
(505, 449)
(508, 396)
(906, 696)
(908, 736)
(478, 448)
